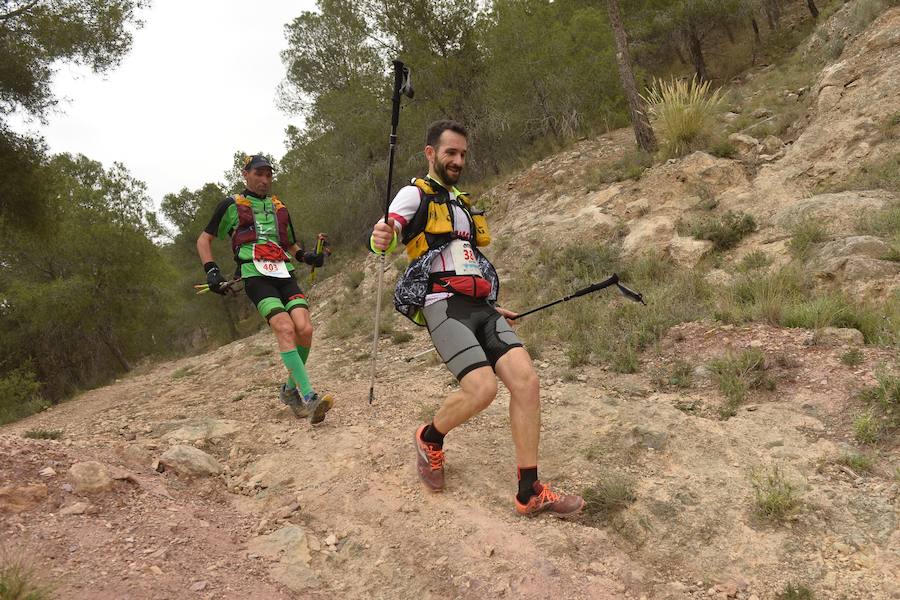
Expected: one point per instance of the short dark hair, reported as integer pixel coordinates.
(438, 127)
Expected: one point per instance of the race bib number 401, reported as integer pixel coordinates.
(272, 268)
(464, 259)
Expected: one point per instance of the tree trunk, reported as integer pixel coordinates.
(637, 109)
(110, 343)
(696, 51)
(755, 29)
(813, 10)
(230, 318)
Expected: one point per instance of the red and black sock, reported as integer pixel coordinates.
(433, 436)
(527, 478)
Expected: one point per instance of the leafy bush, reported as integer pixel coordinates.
(726, 231)
(804, 235)
(19, 396)
(18, 582)
(682, 112)
(776, 497)
(735, 374)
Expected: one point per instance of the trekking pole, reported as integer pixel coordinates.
(402, 85)
(320, 245)
(613, 280)
(229, 286)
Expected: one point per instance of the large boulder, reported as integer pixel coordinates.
(839, 213)
(16, 499)
(90, 477)
(190, 461)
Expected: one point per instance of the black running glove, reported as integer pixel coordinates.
(311, 258)
(214, 278)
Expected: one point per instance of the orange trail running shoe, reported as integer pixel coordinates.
(429, 462)
(561, 505)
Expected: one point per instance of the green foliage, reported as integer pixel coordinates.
(43, 434)
(630, 166)
(753, 261)
(353, 279)
(776, 497)
(682, 112)
(401, 337)
(723, 148)
(866, 428)
(20, 582)
(858, 463)
(610, 494)
(795, 591)
(724, 232)
(604, 327)
(19, 395)
(35, 39)
(679, 375)
(883, 415)
(881, 174)
(736, 374)
(852, 357)
(111, 278)
(804, 235)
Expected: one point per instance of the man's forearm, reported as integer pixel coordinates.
(204, 248)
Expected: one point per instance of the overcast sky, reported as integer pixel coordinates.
(199, 83)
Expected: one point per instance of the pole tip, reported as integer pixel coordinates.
(371, 394)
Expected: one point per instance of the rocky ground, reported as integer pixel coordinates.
(189, 479)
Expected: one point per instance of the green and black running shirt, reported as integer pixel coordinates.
(225, 220)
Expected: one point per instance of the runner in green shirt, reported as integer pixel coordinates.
(263, 241)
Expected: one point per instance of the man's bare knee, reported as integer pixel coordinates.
(484, 393)
(525, 388)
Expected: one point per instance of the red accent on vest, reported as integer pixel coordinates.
(245, 232)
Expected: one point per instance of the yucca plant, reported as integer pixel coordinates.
(681, 111)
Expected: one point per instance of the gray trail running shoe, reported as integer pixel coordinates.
(291, 397)
(316, 406)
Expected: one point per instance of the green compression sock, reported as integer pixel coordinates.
(304, 353)
(298, 375)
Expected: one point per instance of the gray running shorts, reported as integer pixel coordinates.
(468, 333)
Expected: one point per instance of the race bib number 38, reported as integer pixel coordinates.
(464, 260)
(271, 268)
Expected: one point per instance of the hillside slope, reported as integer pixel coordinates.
(287, 510)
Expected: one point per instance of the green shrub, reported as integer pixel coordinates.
(860, 463)
(354, 278)
(866, 428)
(630, 166)
(679, 375)
(881, 174)
(612, 493)
(604, 327)
(722, 148)
(804, 235)
(43, 434)
(724, 232)
(735, 374)
(753, 261)
(852, 358)
(18, 582)
(19, 395)
(795, 591)
(401, 337)
(884, 408)
(682, 112)
(776, 497)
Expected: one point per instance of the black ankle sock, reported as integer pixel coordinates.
(527, 478)
(433, 436)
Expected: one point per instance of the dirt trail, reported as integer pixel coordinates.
(365, 528)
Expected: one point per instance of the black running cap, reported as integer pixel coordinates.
(256, 161)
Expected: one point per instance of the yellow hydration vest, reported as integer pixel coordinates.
(432, 225)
